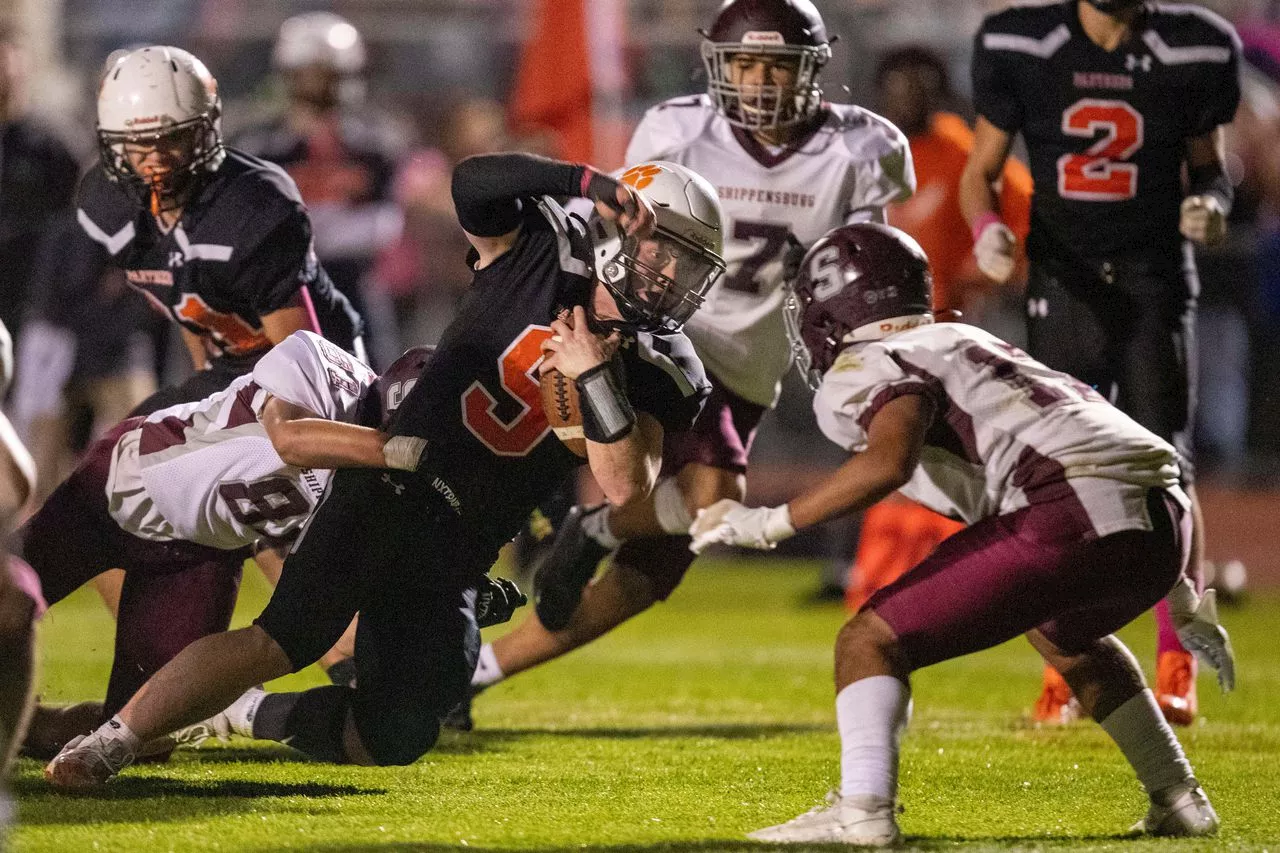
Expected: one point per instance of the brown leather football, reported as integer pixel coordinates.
(560, 402)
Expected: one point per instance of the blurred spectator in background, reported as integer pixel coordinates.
(424, 272)
(87, 351)
(913, 90)
(38, 178)
(341, 155)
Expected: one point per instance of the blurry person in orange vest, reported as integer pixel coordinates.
(914, 92)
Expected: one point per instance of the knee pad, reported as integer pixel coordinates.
(396, 738)
(670, 508)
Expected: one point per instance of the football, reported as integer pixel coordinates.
(560, 402)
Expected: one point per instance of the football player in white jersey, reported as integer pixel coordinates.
(199, 483)
(1058, 487)
(788, 167)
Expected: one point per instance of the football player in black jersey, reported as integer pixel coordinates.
(1121, 105)
(602, 302)
(220, 241)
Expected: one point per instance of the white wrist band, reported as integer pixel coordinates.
(777, 525)
(404, 452)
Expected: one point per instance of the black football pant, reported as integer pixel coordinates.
(384, 545)
(1126, 328)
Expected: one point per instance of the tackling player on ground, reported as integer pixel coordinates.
(788, 166)
(1076, 525)
(601, 302)
(1114, 99)
(220, 242)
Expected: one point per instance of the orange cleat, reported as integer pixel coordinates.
(1057, 706)
(1176, 687)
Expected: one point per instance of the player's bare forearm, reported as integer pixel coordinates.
(893, 451)
(307, 441)
(296, 316)
(195, 346)
(627, 469)
(982, 171)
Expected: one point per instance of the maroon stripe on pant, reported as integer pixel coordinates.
(720, 438)
(1042, 566)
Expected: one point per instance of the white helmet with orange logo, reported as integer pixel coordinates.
(154, 94)
(661, 280)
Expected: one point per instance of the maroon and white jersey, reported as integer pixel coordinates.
(844, 170)
(206, 472)
(1006, 431)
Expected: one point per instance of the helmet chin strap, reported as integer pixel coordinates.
(881, 329)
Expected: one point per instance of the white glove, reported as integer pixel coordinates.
(993, 248)
(1196, 621)
(1202, 219)
(731, 523)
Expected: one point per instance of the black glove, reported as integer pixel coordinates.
(497, 600)
(598, 187)
(792, 255)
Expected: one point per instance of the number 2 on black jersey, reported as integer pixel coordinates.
(1100, 173)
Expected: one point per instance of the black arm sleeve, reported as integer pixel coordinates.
(487, 189)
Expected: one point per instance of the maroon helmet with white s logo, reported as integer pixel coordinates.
(858, 283)
(395, 383)
(785, 31)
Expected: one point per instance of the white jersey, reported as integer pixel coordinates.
(1006, 431)
(853, 165)
(206, 472)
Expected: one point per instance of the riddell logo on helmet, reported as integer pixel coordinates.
(130, 122)
(758, 37)
(641, 176)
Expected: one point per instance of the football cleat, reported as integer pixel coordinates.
(1057, 706)
(459, 719)
(1180, 811)
(861, 820)
(571, 563)
(1176, 687)
(89, 761)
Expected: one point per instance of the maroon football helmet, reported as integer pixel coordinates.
(784, 30)
(395, 383)
(858, 283)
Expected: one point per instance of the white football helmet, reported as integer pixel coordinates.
(661, 280)
(156, 95)
(319, 38)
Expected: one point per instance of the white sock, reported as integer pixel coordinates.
(487, 673)
(871, 714)
(115, 729)
(596, 525)
(1148, 743)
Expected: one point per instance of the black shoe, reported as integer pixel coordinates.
(570, 564)
(459, 719)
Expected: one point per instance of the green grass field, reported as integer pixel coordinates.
(705, 719)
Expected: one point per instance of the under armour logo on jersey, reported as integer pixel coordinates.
(1131, 62)
(399, 487)
(1037, 307)
(176, 259)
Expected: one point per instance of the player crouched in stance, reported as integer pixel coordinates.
(1059, 490)
(407, 550)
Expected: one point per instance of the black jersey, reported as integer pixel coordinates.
(1106, 131)
(37, 181)
(241, 249)
(490, 452)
